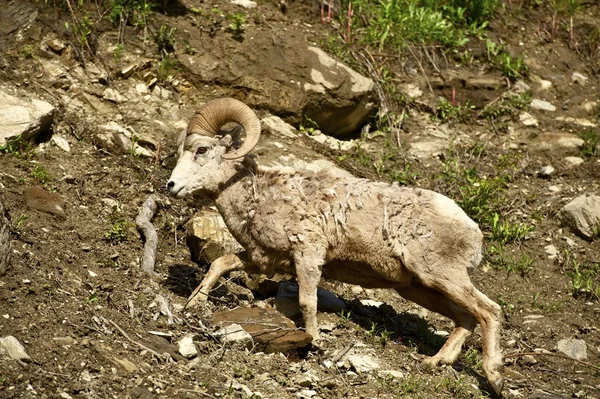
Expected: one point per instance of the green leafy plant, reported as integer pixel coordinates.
(165, 68)
(165, 40)
(405, 176)
(17, 147)
(447, 111)
(591, 144)
(40, 174)
(118, 232)
(236, 23)
(585, 279)
(19, 222)
(500, 58)
(509, 106)
(134, 12)
(506, 232)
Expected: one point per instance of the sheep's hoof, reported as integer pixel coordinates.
(431, 362)
(497, 385)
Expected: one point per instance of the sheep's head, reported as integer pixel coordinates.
(204, 153)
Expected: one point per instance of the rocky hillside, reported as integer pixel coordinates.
(496, 107)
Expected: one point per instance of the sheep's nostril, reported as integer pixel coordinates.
(170, 185)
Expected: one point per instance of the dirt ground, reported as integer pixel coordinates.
(88, 316)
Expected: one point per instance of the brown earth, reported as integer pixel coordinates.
(69, 287)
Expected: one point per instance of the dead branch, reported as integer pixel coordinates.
(147, 229)
(144, 347)
(552, 354)
(342, 352)
(4, 241)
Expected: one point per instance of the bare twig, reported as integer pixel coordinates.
(147, 229)
(342, 352)
(421, 68)
(144, 347)
(4, 241)
(552, 354)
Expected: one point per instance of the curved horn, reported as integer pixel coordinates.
(214, 114)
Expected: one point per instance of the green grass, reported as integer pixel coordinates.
(394, 24)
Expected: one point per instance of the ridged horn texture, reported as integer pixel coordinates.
(214, 114)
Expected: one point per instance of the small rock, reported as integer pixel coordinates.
(363, 363)
(371, 302)
(544, 84)
(590, 107)
(577, 121)
(42, 200)
(186, 347)
(56, 45)
(278, 127)
(332, 142)
(64, 340)
(557, 140)
(127, 364)
(528, 120)
(327, 327)
(574, 161)
(306, 393)
(142, 89)
(574, 348)
(208, 237)
(412, 91)
(127, 71)
(13, 348)
(554, 189)
(113, 95)
(582, 215)
(519, 87)
(236, 335)
(391, 373)
(546, 171)
(65, 395)
(61, 142)
(542, 105)
(307, 380)
(579, 78)
(248, 4)
(551, 251)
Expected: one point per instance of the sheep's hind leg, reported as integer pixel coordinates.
(457, 287)
(436, 302)
(217, 269)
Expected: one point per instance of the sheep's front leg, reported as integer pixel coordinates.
(217, 269)
(308, 273)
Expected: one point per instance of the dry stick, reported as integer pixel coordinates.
(143, 224)
(340, 354)
(4, 241)
(144, 347)
(421, 68)
(552, 354)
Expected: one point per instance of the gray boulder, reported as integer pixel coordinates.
(21, 117)
(582, 216)
(294, 80)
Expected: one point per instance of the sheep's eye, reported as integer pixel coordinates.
(201, 150)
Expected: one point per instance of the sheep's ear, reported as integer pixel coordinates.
(181, 142)
(226, 141)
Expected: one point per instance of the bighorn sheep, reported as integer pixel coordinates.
(315, 224)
